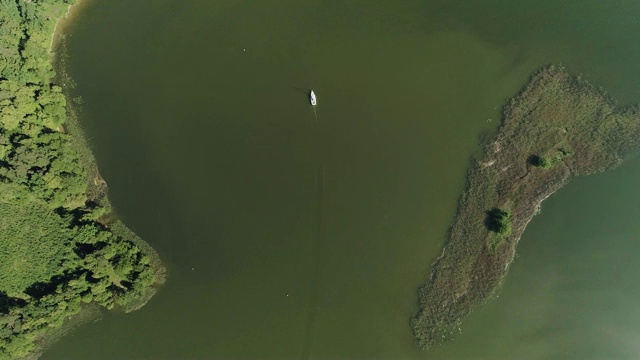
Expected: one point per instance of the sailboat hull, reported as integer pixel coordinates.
(312, 98)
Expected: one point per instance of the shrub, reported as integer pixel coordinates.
(499, 221)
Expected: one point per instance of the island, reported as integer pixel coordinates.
(557, 127)
(62, 250)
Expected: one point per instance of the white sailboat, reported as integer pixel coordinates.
(312, 98)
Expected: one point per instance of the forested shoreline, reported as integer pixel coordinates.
(60, 246)
(558, 127)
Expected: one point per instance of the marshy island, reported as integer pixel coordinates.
(558, 127)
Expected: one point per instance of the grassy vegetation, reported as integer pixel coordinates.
(59, 250)
(556, 128)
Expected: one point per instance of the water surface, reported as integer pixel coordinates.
(290, 238)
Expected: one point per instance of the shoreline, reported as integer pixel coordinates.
(74, 128)
(556, 128)
(63, 22)
(89, 313)
(97, 190)
(77, 258)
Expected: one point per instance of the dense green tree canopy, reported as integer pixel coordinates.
(56, 250)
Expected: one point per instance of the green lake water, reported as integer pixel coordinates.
(290, 237)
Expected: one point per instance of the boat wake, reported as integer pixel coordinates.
(314, 102)
(317, 241)
(315, 113)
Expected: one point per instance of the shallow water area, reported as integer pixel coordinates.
(287, 238)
